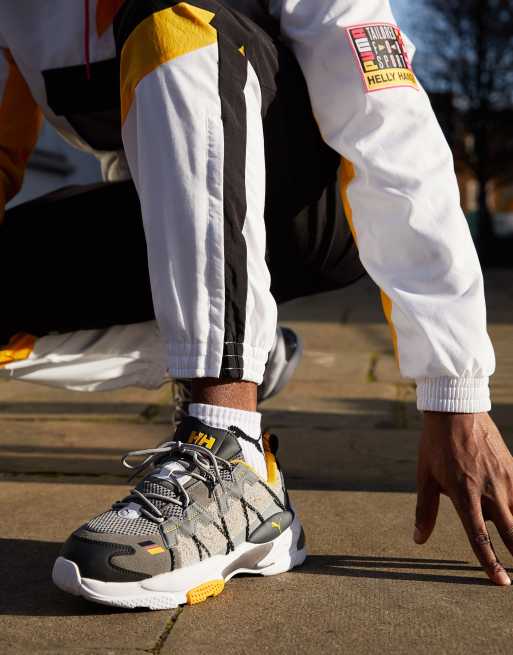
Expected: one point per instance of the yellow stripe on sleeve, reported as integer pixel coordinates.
(163, 36)
(347, 175)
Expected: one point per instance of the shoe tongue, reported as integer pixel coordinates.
(221, 443)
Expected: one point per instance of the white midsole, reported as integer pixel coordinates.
(170, 589)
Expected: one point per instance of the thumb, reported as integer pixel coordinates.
(428, 500)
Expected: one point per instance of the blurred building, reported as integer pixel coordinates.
(456, 128)
(55, 164)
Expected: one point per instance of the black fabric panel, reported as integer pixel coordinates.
(258, 12)
(134, 12)
(75, 259)
(232, 80)
(91, 105)
(101, 130)
(70, 91)
(309, 244)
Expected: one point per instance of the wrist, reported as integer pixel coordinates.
(464, 395)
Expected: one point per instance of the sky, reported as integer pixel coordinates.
(400, 9)
(405, 16)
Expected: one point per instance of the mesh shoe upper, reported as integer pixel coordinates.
(199, 499)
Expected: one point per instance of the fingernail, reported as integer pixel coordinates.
(503, 578)
(417, 536)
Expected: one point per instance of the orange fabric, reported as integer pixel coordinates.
(163, 36)
(20, 122)
(105, 12)
(20, 347)
(348, 174)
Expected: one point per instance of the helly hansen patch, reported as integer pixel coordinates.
(202, 439)
(381, 56)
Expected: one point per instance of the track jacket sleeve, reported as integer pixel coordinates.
(20, 122)
(400, 194)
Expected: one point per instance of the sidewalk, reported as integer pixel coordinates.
(348, 430)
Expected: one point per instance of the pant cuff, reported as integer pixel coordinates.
(194, 361)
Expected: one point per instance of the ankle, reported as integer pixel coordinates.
(232, 394)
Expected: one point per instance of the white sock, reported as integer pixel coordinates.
(248, 422)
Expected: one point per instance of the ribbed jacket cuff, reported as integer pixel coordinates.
(460, 395)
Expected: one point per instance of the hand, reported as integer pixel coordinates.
(465, 457)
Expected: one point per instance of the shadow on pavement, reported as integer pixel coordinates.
(27, 587)
(370, 447)
(379, 568)
(70, 408)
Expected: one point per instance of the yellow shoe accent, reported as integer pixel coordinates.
(241, 461)
(270, 460)
(204, 591)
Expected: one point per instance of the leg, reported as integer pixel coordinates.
(115, 291)
(204, 223)
(70, 240)
(198, 111)
(203, 209)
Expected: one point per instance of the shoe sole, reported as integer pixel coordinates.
(190, 585)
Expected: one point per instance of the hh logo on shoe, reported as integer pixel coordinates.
(381, 56)
(152, 548)
(202, 439)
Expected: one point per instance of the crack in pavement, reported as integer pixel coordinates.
(371, 371)
(159, 645)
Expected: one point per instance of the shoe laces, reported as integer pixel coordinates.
(203, 466)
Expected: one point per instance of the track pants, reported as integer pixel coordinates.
(221, 142)
(76, 259)
(78, 295)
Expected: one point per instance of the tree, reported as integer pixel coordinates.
(466, 50)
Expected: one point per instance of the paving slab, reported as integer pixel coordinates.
(35, 617)
(366, 588)
(348, 430)
(72, 447)
(315, 449)
(24, 399)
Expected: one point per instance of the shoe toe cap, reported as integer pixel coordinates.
(103, 560)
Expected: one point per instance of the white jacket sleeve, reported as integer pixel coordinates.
(400, 194)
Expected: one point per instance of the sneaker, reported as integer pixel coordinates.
(200, 516)
(283, 360)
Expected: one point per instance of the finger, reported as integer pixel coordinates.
(503, 519)
(428, 501)
(473, 521)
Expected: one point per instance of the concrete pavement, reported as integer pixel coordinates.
(348, 429)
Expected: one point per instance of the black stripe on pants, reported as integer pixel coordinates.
(232, 81)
